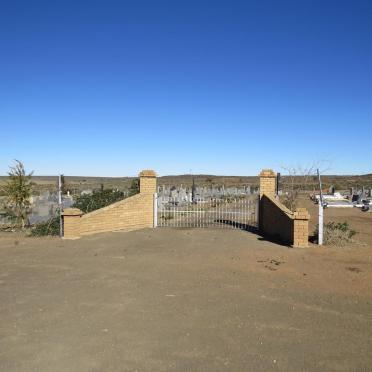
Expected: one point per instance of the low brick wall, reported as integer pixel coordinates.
(275, 219)
(278, 221)
(133, 213)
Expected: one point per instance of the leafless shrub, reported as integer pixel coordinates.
(298, 179)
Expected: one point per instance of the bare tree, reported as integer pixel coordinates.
(298, 179)
(18, 190)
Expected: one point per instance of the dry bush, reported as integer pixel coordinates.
(336, 234)
(18, 190)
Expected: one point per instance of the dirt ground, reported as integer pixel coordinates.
(183, 300)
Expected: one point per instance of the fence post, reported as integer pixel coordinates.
(155, 210)
(320, 211)
(60, 206)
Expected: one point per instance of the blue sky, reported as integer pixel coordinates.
(107, 88)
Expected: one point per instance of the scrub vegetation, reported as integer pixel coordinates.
(337, 234)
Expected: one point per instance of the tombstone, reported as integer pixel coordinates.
(193, 191)
(355, 198)
(182, 194)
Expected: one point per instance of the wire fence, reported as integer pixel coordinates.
(52, 194)
(43, 208)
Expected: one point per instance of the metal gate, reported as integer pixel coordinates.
(228, 212)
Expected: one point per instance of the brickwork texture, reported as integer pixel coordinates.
(137, 212)
(275, 220)
(133, 213)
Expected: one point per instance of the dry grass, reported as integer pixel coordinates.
(337, 234)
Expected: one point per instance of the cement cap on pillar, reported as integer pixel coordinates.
(147, 173)
(72, 212)
(267, 173)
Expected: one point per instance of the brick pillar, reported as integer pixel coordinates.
(148, 189)
(267, 182)
(147, 182)
(301, 228)
(267, 187)
(71, 223)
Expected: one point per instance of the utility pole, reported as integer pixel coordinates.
(60, 205)
(277, 183)
(321, 211)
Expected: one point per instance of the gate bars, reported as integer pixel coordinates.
(225, 213)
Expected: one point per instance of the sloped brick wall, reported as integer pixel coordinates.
(133, 213)
(275, 220)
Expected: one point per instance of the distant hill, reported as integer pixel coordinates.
(79, 183)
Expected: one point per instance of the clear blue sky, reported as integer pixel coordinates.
(108, 88)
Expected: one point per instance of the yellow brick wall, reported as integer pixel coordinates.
(137, 212)
(132, 213)
(71, 226)
(276, 220)
(301, 228)
(267, 182)
(147, 181)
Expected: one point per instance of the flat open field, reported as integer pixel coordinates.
(183, 300)
(79, 183)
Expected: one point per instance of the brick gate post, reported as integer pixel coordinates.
(147, 182)
(148, 187)
(267, 182)
(71, 223)
(301, 228)
(267, 187)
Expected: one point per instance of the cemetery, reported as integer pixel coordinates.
(185, 186)
(358, 198)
